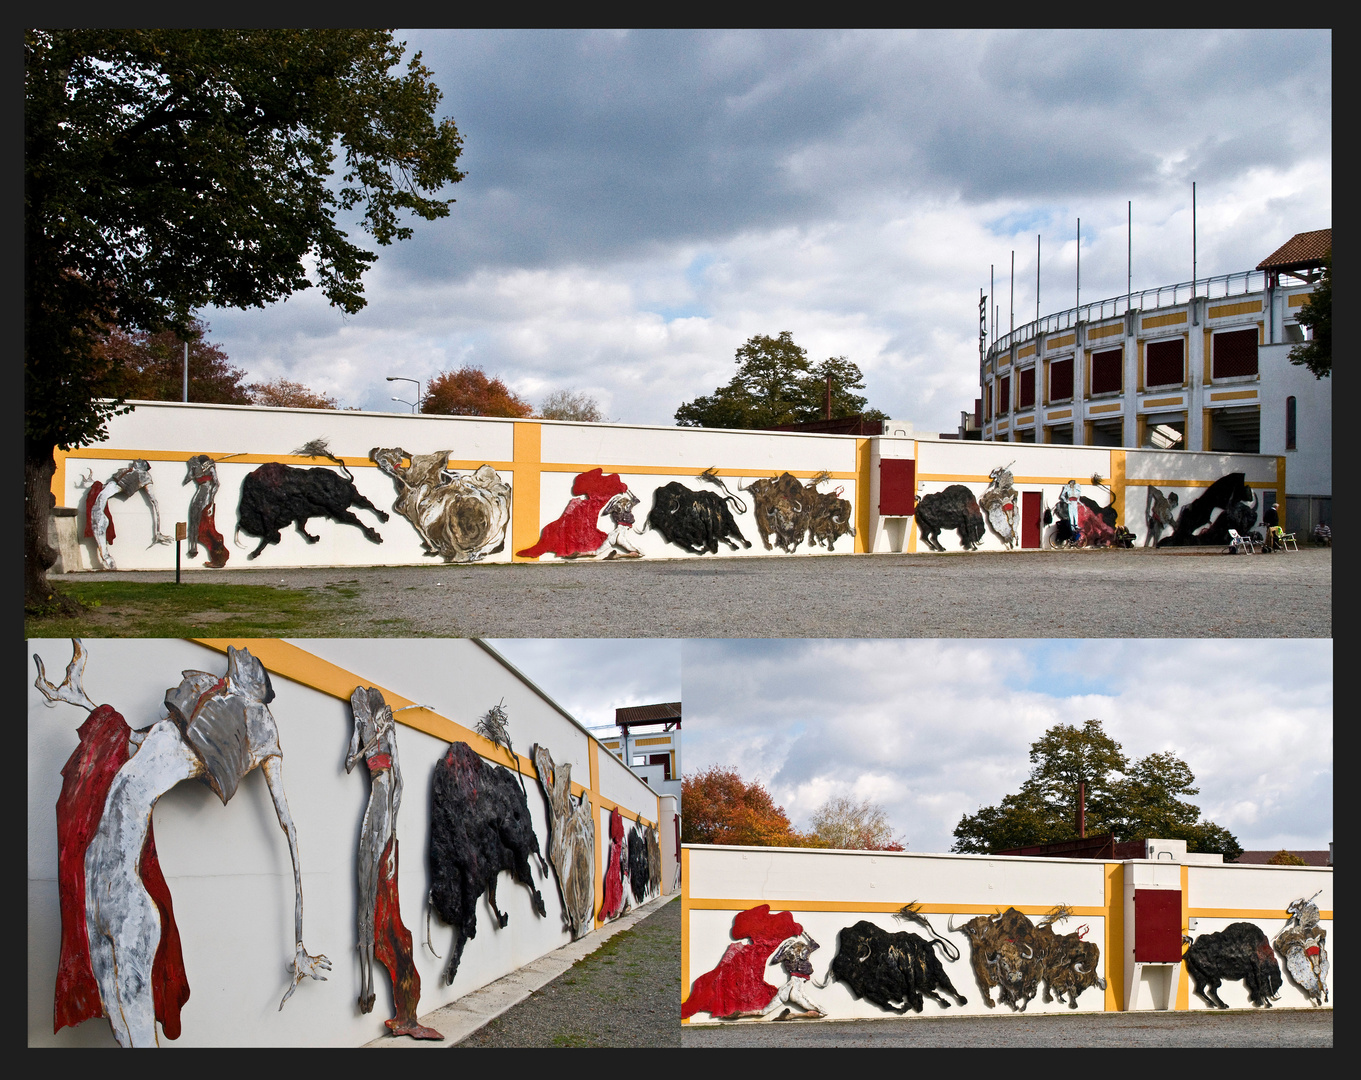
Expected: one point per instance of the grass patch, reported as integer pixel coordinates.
(164, 609)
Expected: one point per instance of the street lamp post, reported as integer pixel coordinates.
(419, 395)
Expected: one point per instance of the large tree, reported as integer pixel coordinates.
(287, 394)
(719, 807)
(571, 405)
(1136, 800)
(775, 384)
(169, 170)
(470, 392)
(1317, 316)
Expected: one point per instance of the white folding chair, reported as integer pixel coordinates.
(1285, 539)
(1240, 544)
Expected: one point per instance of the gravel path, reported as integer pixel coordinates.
(627, 993)
(1132, 593)
(1235, 1028)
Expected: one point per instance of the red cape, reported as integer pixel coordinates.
(737, 984)
(86, 778)
(575, 532)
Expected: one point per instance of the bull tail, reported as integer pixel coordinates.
(428, 944)
(710, 475)
(236, 538)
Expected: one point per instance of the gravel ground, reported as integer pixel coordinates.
(627, 993)
(1098, 593)
(1235, 1028)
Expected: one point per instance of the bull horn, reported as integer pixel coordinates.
(1077, 966)
(1030, 955)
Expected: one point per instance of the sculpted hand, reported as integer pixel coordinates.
(304, 966)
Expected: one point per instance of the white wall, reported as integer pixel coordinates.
(228, 867)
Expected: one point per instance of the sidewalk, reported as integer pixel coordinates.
(567, 997)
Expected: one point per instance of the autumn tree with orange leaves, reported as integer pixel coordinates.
(719, 807)
(468, 392)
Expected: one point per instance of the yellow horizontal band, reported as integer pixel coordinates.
(699, 904)
(1156, 403)
(1245, 913)
(1235, 395)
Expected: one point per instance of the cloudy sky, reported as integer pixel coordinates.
(593, 677)
(637, 205)
(932, 730)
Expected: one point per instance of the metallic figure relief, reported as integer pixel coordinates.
(1014, 955)
(1080, 521)
(735, 989)
(124, 483)
(202, 473)
(895, 971)
(219, 729)
(275, 495)
(789, 512)
(459, 518)
(696, 521)
(576, 533)
(480, 825)
(612, 904)
(952, 508)
(1228, 503)
(1159, 515)
(998, 504)
(571, 844)
(1239, 951)
(382, 934)
(1302, 942)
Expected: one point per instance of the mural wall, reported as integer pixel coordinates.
(288, 487)
(979, 935)
(173, 870)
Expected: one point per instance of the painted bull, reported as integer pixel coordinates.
(1239, 951)
(895, 971)
(480, 826)
(1069, 964)
(275, 495)
(640, 872)
(696, 520)
(1003, 956)
(1228, 503)
(778, 506)
(953, 508)
(459, 518)
(828, 514)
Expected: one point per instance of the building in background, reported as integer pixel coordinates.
(649, 743)
(1201, 366)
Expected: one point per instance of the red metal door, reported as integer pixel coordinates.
(1157, 926)
(1032, 528)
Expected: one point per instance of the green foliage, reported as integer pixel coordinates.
(1133, 801)
(166, 170)
(1317, 315)
(775, 384)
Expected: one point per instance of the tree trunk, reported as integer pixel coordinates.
(39, 467)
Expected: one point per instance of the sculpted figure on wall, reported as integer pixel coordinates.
(1303, 943)
(576, 532)
(480, 826)
(382, 934)
(461, 518)
(219, 730)
(124, 483)
(998, 504)
(735, 989)
(276, 495)
(571, 845)
(202, 473)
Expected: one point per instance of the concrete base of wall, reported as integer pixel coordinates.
(63, 535)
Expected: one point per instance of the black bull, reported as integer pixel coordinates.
(953, 508)
(693, 520)
(1239, 951)
(275, 495)
(480, 826)
(885, 968)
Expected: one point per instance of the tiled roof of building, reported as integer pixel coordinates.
(1302, 249)
(1260, 858)
(663, 713)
